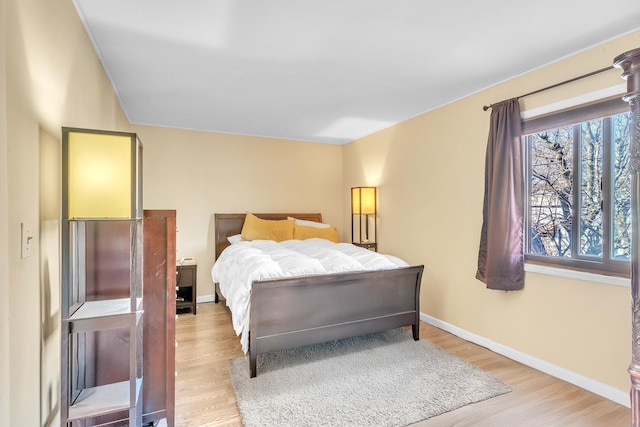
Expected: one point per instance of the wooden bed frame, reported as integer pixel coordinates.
(297, 311)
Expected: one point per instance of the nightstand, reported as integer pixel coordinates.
(373, 246)
(186, 290)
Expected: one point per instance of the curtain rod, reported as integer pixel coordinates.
(610, 67)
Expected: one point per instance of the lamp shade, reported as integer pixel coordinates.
(101, 174)
(363, 200)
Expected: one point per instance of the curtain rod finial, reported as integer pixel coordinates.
(486, 107)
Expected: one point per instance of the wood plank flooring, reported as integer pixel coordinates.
(204, 394)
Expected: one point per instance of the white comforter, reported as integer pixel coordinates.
(242, 263)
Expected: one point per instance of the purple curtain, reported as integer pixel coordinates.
(501, 258)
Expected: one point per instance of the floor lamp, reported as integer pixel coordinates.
(363, 217)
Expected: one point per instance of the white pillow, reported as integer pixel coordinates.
(310, 223)
(236, 238)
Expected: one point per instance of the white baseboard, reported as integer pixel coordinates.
(593, 386)
(205, 298)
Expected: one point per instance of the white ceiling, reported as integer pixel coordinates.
(328, 70)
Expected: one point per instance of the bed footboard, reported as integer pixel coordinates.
(288, 313)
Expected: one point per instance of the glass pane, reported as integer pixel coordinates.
(551, 192)
(621, 188)
(591, 153)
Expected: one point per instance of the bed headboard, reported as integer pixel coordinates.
(231, 224)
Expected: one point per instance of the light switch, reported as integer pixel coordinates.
(27, 239)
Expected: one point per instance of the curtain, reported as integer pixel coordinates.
(500, 257)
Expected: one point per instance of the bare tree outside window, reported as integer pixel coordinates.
(551, 192)
(591, 181)
(621, 189)
(579, 192)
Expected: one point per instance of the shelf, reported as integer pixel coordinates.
(104, 314)
(373, 246)
(186, 282)
(184, 304)
(101, 308)
(105, 399)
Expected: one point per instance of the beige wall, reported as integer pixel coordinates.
(54, 79)
(201, 173)
(430, 176)
(4, 242)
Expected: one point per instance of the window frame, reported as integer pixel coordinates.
(606, 265)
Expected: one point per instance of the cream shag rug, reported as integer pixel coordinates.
(383, 379)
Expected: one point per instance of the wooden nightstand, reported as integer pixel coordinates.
(373, 246)
(186, 289)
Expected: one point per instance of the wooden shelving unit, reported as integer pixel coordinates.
(159, 317)
(102, 293)
(186, 286)
(87, 394)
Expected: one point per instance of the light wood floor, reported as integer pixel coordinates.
(204, 394)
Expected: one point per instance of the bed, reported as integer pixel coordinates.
(290, 312)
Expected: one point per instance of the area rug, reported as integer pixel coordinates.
(384, 379)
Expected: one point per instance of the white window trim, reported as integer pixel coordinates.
(579, 275)
(557, 106)
(572, 102)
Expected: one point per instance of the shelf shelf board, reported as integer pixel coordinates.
(102, 308)
(105, 399)
(104, 314)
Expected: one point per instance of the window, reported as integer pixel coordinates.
(578, 212)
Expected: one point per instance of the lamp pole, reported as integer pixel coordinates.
(630, 64)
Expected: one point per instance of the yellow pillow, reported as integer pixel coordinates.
(255, 228)
(302, 232)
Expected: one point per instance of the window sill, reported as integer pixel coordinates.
(579, 275)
